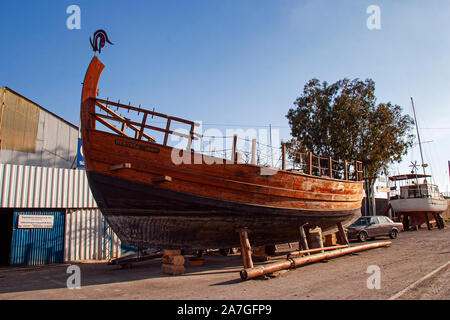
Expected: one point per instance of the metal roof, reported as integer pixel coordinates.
(41, 107)
(408, 176)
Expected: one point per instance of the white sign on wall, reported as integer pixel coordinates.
(383, 189)
(35, 222)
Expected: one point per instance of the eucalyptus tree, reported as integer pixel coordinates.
(343, 120)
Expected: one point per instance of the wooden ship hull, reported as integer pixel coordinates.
(152, 201)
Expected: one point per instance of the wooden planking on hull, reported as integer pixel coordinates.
(156, 217)
(218, 181)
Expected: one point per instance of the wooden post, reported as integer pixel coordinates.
(283, 157)
(346, 170)
(318, 163)
(428, 221)
(246, 249)
(330, 166)
(342, 233)
(166, 135)
(303, 243)
(238, 157)
(233, 151)
(141, 131)
(191, 137)
(253, 151)
(310, 163)
(439, 221)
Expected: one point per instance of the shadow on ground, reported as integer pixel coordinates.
(56, 276)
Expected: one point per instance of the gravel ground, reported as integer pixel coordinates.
(411, 257)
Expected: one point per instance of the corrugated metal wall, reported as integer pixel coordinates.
(38, 246)
(40, 187)
(89, 237)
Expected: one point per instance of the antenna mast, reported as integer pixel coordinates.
(418, 136)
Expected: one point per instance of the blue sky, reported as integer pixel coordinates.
(235, 62)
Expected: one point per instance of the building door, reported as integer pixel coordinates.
(6, 227)
(38, 237)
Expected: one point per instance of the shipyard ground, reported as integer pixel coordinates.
(410, 260)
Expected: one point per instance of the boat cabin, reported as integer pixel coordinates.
(413, 186)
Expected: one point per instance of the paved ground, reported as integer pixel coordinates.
(411, 257)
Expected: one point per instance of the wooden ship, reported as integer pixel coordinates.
(151, 201)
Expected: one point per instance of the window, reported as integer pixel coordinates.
(385, 220)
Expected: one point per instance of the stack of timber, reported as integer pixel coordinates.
(315, 238)
(330, 240)
(172, 262)
(260, 254)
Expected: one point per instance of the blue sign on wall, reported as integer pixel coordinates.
(37, 245)
(80, 159)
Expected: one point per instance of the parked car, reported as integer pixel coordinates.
(375, 226)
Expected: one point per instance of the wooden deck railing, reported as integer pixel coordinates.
(139, 127)
(310, 163)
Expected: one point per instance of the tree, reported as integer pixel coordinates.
(343, 121)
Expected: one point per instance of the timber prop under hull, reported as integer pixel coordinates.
(150, 200)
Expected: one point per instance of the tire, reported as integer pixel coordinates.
(199, 253)
(393, 234)
(362, 236)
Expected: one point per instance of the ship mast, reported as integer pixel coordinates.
(418, 135)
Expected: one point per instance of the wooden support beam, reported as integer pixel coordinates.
(330, 166)
(133, 123)
(342, 233)
(310, 162)
(120, 166)
(303, 243)
(439, 221)
(238, 157)
(346, 170)
(118, 117)
(298, 253)
(233, 150)
(110, 126)
(141, 132)
(153, 113)
(162, 179)
(253, 151)
(166, 135)
(297, 262)
(428, 221)
(246, 249)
